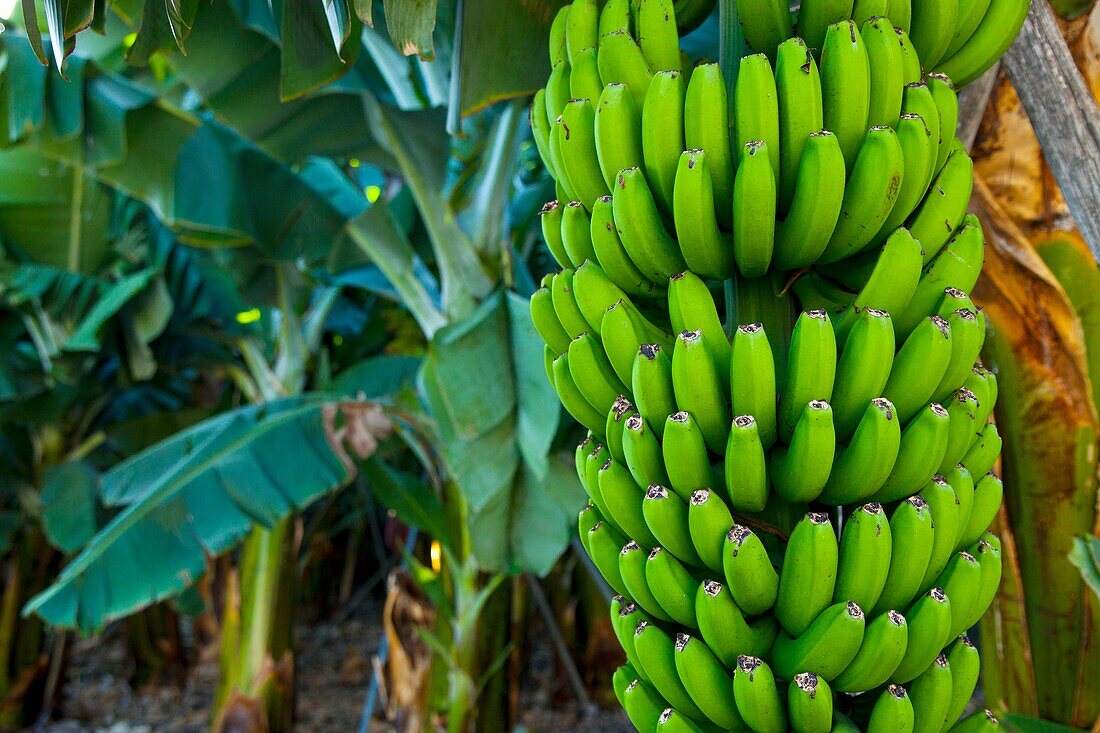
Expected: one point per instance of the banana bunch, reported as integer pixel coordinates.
(793, 512)
(960, 38)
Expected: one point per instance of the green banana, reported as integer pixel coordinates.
(581, 26)
(571, 398)
(983, 721)
(931, 32)
(800, 470)
(983, 453)
(826, 647)
(845, 87)
(873, 186)
(961, 581)
(943, 91)
(576, 233)
(910, 62)
(815, 17)
(616, 423)
(911, 535)
(918, 150)
(723, 626)
(540, 131)
(892, 282)
(988, 555)
(557, 92)
(655, 26)
(643, 453)
(929, 621)
(943, 209)
(923, 445)
(957, 266)
(546, 321)
(965, 666)
(843, 724)
(862, 467)
(809, 573)
(621, 62)
(865, 548)
(699, 389)
(663, 134)
(750, 576)
(580, 455)
(632, 564)
(611, 254)
(690, 14)
(623, 499)
(809, 704)
(557, 36)
(884, 61)
(971, 13)
(989, 42)
(685, 454)
(863, 369)
(756, 101)
(586, 520)
(757, 697)
(623, 331)
(604, 545)
(618, 130)
(691, 307)
(595, 459)
(594, 293)
(988, 492)
(621, 679)
(754, 208)
(667, 517)
(967, 338)
(642, 229)
(592, 373)
(798, 91)
(963, 484)
(656, 652)
(707, 128)
(672, 585)
(752, 383)
(584, 77)
(625, 617)
(884, 642)
(673, 721)
(707, 682)
(815, 205)
(705, 248)
(962, 409)
(745, 466)
(643, 706)
(892, 712)
(565, 305)
(765, 23)
(550, 218)
(709, 520)
(919, 367)
(930, 693)
(652, 383)
(865, 10)
(944, 506)
(811, 369)
(615, 16)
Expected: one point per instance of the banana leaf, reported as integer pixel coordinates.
(1049, 422)
(195, 495)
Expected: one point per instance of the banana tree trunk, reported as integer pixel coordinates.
(1045, 624)
(256, 682)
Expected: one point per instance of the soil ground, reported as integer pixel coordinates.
(334, 675)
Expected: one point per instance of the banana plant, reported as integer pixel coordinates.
(1037, 298)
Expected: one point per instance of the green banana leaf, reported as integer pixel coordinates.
(1050, 427)
(196, 494)
(1085, 556)
(485, 386)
